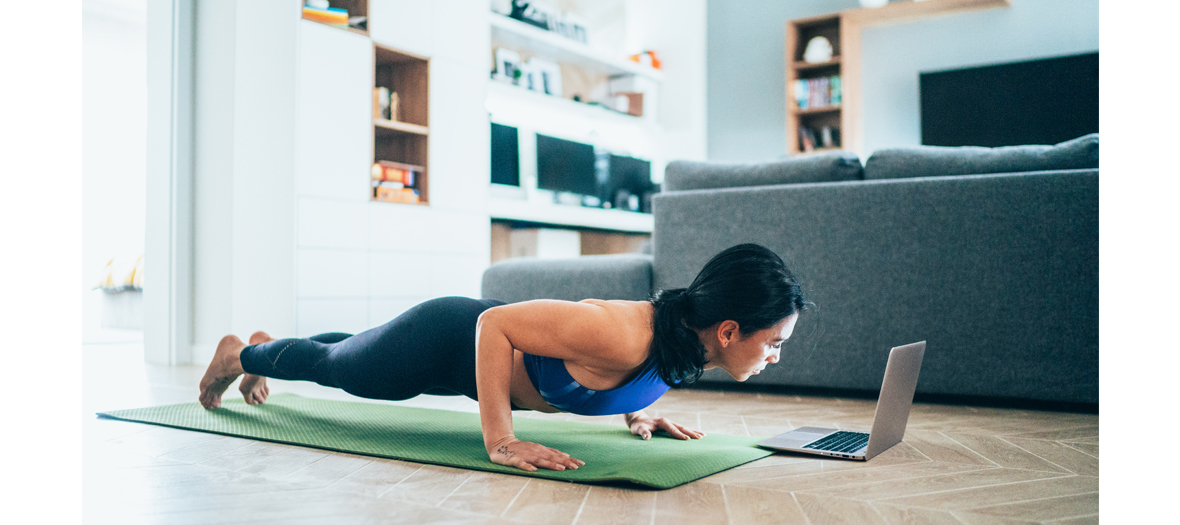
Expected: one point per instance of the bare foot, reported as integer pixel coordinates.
(252, 387)
(223, 370)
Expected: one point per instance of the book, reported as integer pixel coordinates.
(806, 139)
(801, 93)
(837, 92)
(400, 195)
(406, 174)
(332, 16)
(381, 102)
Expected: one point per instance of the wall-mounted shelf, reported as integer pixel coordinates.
(559, 104)
(519, 35)
(394, 126)
(562, 215)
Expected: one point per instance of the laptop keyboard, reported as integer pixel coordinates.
(840, 442)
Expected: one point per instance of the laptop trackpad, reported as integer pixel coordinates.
(798, 437)
(812, 433)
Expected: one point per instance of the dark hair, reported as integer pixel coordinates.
(747, 283)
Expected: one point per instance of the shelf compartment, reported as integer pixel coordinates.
(514, 34)
(407, 75)
(406, 138)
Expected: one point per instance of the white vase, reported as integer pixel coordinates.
(873, 3)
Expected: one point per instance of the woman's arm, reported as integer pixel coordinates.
(641, 425)
(560, 329)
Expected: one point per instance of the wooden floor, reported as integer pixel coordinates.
(957, 465)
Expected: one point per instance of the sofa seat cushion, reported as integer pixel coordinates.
(937, 161)
(828, 166)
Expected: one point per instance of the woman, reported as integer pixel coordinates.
(589, 357)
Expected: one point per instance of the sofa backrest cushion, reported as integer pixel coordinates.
(937, 161)
(828, 166)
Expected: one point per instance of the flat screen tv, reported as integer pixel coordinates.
(1042, 101)
(565, 165)
(630, 173)
(505, 155)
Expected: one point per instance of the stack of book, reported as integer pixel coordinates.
(810, 139)
(819, 92)
(395, 182)
(332, 16)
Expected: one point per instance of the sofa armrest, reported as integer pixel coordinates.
(626, 276)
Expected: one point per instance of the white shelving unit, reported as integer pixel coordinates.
(514, 33)
(535, 112)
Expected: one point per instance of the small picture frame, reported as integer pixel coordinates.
(547, 76)
(507, 65)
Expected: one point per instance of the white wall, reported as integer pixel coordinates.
(894, 55)
(243, 165)
(111, 106)
(746, 74)
(677, 30)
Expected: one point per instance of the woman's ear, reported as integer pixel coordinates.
(728, 331)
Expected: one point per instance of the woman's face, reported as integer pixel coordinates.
(745, 355)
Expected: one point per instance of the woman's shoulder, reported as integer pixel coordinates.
(633, 329)
(640, 310)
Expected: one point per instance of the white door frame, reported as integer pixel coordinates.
(168, 282)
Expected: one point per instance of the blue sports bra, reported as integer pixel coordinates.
(562, 392)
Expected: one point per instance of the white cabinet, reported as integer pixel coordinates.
(402, 24)
(334, 115)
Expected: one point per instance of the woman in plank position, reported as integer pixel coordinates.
(589, 357)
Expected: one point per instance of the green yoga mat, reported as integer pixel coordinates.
(454, 439)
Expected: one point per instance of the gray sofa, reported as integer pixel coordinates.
(988, 254)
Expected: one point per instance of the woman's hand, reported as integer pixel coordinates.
(643, 426)
(528, 456)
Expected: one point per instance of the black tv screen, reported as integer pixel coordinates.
(505, 155)
(1042, 101)
(630, 173)
(565, 165)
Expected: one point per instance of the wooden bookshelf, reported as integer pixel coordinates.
(403, 137)
(816, 118)
(354, 8)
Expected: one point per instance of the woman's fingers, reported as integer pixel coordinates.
(674, 430)
(531, 456)
(679, 431)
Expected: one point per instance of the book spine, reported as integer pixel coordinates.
(801, 93)
(332, 16)
(837, 92)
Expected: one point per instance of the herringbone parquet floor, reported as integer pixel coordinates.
(957, 465)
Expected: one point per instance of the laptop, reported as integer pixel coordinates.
(893, 410)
